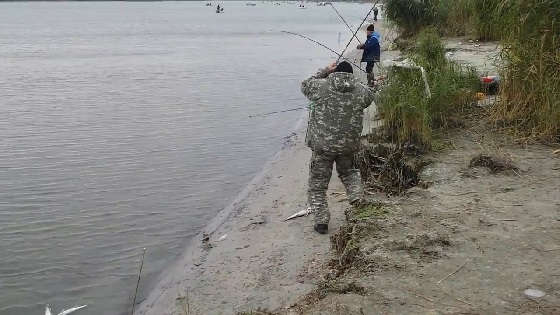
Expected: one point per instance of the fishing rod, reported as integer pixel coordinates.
(278, 112)
(355, 32)
(343, 20)
(326, 47)
(352, 31)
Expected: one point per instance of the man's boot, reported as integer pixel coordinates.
(322, 217)
(370, 79)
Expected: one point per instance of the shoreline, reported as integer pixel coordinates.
(263, 262)
(256, 258)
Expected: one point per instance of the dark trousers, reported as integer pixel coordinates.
(369, 71)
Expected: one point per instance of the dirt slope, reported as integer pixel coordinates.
(471, 243)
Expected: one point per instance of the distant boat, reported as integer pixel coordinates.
(250, 4)
(208, 4)
(219, 10)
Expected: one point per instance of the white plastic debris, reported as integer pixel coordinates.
(534, 293)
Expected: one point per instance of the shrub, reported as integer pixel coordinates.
(409, 115)
(410, 16)
(451, 17)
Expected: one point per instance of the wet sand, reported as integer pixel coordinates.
(263, 261)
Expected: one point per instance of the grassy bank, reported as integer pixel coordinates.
(530, 86)
(451, 17)
(529, 32)
(410, 115)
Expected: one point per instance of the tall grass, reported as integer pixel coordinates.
(410, 117)
(411, 16)
(456, 17)
(451, 17)
(485, 20)
(530, 87)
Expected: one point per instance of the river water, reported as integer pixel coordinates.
(125, 125)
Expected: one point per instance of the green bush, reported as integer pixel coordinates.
(410, 16)
(451, 17)
(430, 50)
(410, 117)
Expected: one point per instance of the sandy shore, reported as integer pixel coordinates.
(254, 259)
(263, 260)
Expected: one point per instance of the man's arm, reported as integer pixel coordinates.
(310, 87)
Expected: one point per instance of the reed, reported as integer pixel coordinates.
(474, 18)
(411, 117)
(530, 88)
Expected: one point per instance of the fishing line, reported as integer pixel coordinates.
(343, 20)
(278, 112)
(355, 32)
(326, 47)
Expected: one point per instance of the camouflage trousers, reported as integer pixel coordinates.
(320, 172)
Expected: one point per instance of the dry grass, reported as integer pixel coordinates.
(495, 164)
(475, 18)
(530, 88)
(386, 169)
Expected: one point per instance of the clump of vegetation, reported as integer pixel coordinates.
(530, 86)
(370, 211)
(411, 15)
(495, 164)
(530, 75)
(409, 115)
(450, 17)
(387, 169)
(485, 18)
(457, 17)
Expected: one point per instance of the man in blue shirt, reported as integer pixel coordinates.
(372, 52)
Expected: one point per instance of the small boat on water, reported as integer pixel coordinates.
(208, 4)
(250, 4)
(219, 9)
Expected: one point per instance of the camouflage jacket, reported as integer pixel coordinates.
(335, 120)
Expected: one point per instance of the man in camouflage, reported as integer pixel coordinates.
(333, 134)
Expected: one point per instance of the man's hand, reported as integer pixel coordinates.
(324, 72)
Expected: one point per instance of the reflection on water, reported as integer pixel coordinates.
(125, 125)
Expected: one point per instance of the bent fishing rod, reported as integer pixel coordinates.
(352, 32)
(326, 47)
(356, 31)
(343, 20)
(278, 112)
